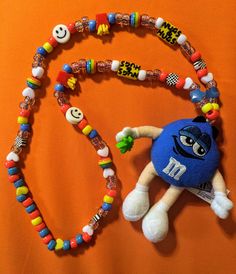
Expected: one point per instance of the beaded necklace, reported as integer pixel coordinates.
(206, 101)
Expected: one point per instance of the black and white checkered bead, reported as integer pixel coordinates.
(20, 142)
(199, 64)
(172, 79)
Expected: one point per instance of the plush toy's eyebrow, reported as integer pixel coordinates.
(205, 141)
(193, 130)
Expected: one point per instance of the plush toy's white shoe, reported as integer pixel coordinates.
(136, 204)
(156, 224)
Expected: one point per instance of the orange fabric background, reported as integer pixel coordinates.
(61, 166)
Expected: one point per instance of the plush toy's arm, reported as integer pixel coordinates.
(220, 204)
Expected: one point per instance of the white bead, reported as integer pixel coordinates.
(108, 172)
(159, 22)
(103, 152)
(38, 72)
(181, 39)
(115, 65)
(88, 229)
(142, 75)
(188, 83)
(29, 92)
(207, 78)
(12, 156)
(61, 33)
(74, 115)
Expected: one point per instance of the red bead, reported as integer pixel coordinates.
(27, 202)
(9, 164)
(195, 56)
(47, 239)
(163, 76)
(63, 77)
(52, 41)
(82, 124)
(13, 178)
(202, 72)
(180, 83)
(213, 114)
(101, 19)
(34, 214)
(40, 227)
(64, 108)
(86, 237)
(71, 27)
(73, 243)
(25, 112)
(111, 192)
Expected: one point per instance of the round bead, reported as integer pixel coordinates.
(181, 39)
(47, 239)
(67, 68)
(21, 198)
(28, 92)
(27, 202)
(82, 124)
(195, 56)
(92, 25)
(13, 170)
(207, 107)
(111, 192)
(22, 120)
(13, 178)
(18, 183)
(53, 41)
(42, 51)
(44, 232)
(9, 164)
(111, 18)
(159, 22)
(180, 83)
(74, 115)
(93, 134)
(215, 106)
(24, 112)
(48, 47)
(213, 115)
(66, 245)
(142, 75)
(106, 206)
(51, 245)
(86, 237)
(61, 33)
(34, 214)
(59, 87)
(188, 83)
(40, 227)
(108, 199)
(38, 72)
(202, 72)
(59, 244)
(25, 127)
(73, 243)
(33, 83)
(30, 208)
(163, 76)
(71, 28)
(79, 239)
(87, 130)
(115, 65)
(36, 221)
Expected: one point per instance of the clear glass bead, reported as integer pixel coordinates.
(144, 20)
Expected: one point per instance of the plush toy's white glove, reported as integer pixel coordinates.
(221, 205)
(127, 131)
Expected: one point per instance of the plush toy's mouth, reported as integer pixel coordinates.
(179, 150)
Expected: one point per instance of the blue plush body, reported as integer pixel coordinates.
(185, 154)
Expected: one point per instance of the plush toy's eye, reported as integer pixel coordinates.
(186, 140)
(198, 149)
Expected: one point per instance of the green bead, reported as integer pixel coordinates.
(125, 144)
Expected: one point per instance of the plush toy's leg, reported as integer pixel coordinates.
(155, 224)
(136, 204)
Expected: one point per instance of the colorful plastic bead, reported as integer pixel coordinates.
(47, 239)
(212, 115)
(67, 68)
(86, 237)
(128, 70)
(188, 83)
(33, 82)
(27, 202)
(134, 19)
(212, 92)
(93, 134)
(52, 244)
(19, 183)
(202, 72)
(59, 244)
(86, 130)
(39, 227)
(22, 190)
(79, 239)
(105, 162)
(12, 156)
(66, 245)
(30, 208)
(111, 192)
(25, 127)
(21, 198)
(108, 199)
(53, 41)
(38, 72)
(102, 24)
(61, 33)
(59, 87)
(115, 65)
(71, 28)
(111, 18)
(207, 107)
(22, 120)
(88, 229)
(92, 25)
(108, 172)
(13, 170)
(33, 215)
(106, 206)
(48, 47)
(74, 115)
(168, 32)
(163, 76)
(142, 75)
(159, 22)
(13, 178)
(41, 51)
(196, 95)
(180, 83)
(28, 92)
(195, 56)
(73, 243)
(181, 39)
(207, 78)
(215, 106)
(36, 221)
(44, 232)
(9, 164)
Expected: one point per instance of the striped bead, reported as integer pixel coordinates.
(33, 82)
(105, 162)
(199, 64)
(134, 19)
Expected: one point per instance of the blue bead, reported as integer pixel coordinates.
(106, 206)
(25, 127)
(66, 245)
(212, 92)
(21, 198)
(30, 85)
(111, 18)
(30, 208)
(42, 51)
(52, 244)
(93, 134)
(79, 239)
(59, 87)
(196, 95)
(106, 165)
(44, 232)
(13, 170)
(67, 68)
(19, 183)
(132, 19)
(88, 66)
(92, 25)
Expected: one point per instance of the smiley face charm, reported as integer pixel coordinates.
(74, 115)
(61, 33)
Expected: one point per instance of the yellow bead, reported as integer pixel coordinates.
(48, 47)
(87, 130)
(169, 33)
(36, 221)
(22, 190)
(22, 120)
(207, 107)
(108, 199)
(128, 70)
(215, 106)
(59, 244)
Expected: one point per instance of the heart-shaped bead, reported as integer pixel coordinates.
(207, 78)
(38, 72)
(108, 172)
(88, 229)
(29, 92)
(103, 152)
(12, 156)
